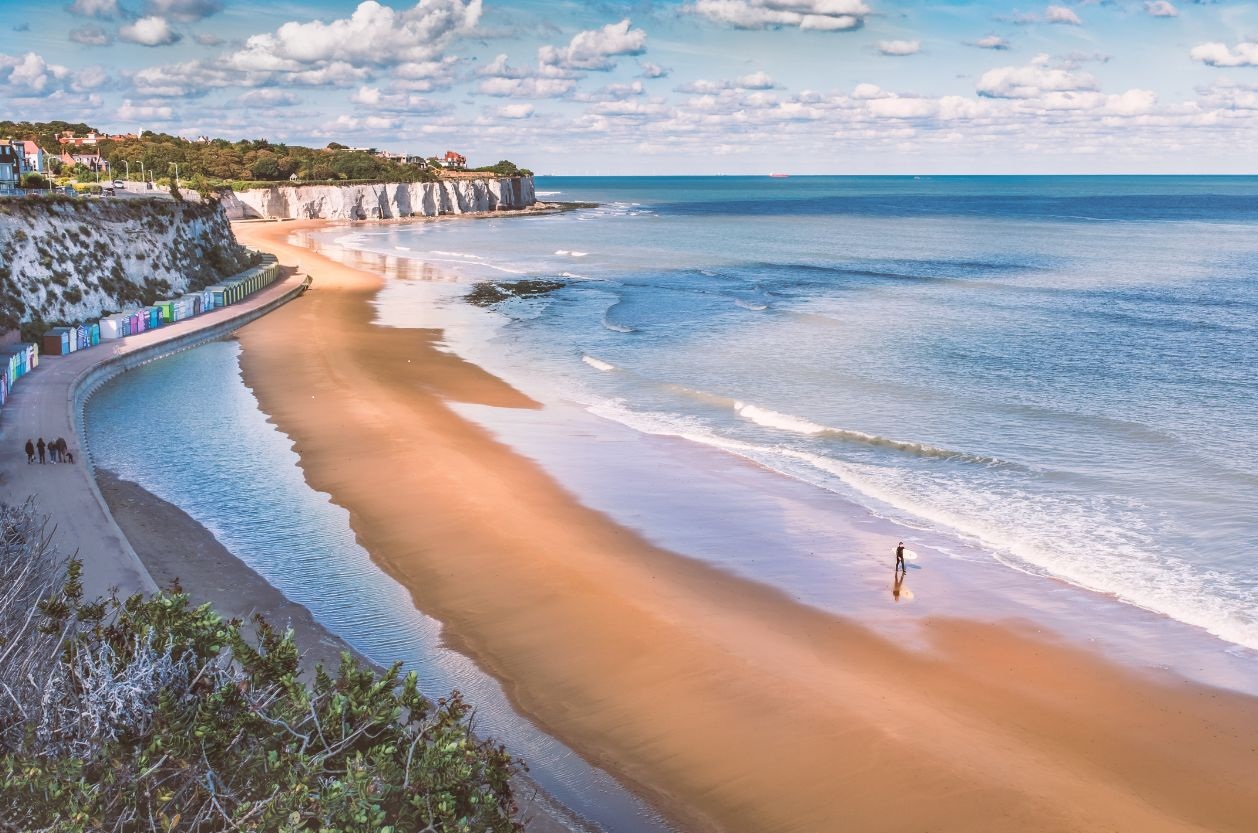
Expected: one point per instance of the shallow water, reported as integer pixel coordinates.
(188, 430)
(1055, 374)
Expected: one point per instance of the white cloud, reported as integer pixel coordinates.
(1061, 14)
(526, 87)
(94, 8)
(613, 92)
(499, 67)
(899, 48)
(185, 11)
(650, 70)
(91, 36)
(30, 74)
(396, 101)
(755, 81)
(132, 111)
(89, 78)
(374, 35)
(515, 111)
(1217, 54)
(149, 31)
(819, 15)
(1032, 80)
(208, 39)
(992, 42)
(1160, 8)
(594, 49)
(269, 98)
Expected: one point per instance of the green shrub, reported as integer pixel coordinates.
(148, 714)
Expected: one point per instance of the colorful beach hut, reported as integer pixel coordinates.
(218, 295)
(192, 303)
(167, 309)
(138, 320)
(207, 300)
(93, 334)
(56, 342)
(81, 332)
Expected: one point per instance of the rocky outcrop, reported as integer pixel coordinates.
(68, 260)
(378, 202)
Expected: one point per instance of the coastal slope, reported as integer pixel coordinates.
(727, 703)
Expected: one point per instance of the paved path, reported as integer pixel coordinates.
(45, 404)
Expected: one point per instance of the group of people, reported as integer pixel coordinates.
(54, 452)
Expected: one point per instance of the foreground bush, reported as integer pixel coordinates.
(146, 714)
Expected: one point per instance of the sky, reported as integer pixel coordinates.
(683, 87)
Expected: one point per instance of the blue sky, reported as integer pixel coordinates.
(701, 86)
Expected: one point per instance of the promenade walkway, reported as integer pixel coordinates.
(48, 403)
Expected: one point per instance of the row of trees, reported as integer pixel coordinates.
(219, 161)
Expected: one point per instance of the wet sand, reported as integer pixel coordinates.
(724, 702)
(176, 549)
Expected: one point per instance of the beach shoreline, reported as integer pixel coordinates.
(705, 691)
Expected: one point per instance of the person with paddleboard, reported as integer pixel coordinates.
(899, 558)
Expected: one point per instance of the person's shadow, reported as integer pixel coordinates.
(898, 585)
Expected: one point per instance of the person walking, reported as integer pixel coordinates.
(30, 452)
(899, 558)
(41, 445)
(61, 450)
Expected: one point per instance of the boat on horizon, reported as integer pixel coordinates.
(779, 176)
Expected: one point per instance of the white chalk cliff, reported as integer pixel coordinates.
(377, 202)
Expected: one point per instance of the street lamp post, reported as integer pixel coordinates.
(176, 164)
(128, 164)
(140, 162)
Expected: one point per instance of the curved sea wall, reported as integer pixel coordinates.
(380, 201)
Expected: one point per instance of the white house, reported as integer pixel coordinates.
(35, 160)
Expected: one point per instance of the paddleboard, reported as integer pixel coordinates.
(909, 555)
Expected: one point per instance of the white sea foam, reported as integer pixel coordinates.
(799, 425)
(773, 419)
(456, 254)
(597, 364)
(1062, 536)
(547, 193)
(562, 252)
(616, 328)
(751, 305)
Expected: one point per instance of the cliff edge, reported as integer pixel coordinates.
(66, 260)
(380, 201)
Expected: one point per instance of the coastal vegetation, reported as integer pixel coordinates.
(148, 714)
(208, 164)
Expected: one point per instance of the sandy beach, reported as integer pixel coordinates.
(724, 702)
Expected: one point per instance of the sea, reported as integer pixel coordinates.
(1058, 375)
(1046, 386)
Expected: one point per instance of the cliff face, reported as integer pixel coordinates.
(374, 202)
(64, 260)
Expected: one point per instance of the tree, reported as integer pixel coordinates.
(34, 181)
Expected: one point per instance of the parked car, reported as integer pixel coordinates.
(118, 183)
